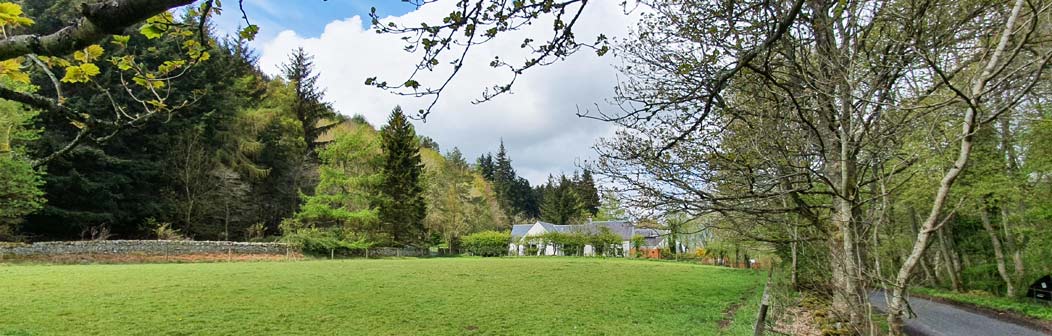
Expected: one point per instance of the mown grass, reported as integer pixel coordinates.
(1021, 306)
(450, 296)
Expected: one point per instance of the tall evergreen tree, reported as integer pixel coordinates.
(402, 207)
(561, 204)
(484, 164)
(586, 189)
(516, 196)
(308, 104)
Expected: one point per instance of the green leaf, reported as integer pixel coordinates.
(121, 40)
(249, 33)
(80, 73)
(151, 31)
(74, 75)
(90, 69)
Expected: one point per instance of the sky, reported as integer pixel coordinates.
(537, 121)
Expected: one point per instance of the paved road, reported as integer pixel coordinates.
(937, 319)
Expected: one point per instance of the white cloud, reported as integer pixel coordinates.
(537, 120)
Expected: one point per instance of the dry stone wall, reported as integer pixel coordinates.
(142, 247)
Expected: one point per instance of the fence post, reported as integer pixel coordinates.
(761, 316)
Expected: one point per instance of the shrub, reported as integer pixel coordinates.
(325, 242)
(487, 243)
(256, 232)
(164, 231)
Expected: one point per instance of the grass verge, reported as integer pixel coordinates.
(1025, 308)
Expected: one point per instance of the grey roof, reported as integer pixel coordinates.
(653, 242)
(520, 230)
(652, 237)
(621, 228)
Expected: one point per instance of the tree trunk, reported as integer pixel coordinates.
(953, 258)
(936, 267)
(999, 257)
(929, 276)
(1008, 146)
(897, 306)
(1017, 255)
(792, 249)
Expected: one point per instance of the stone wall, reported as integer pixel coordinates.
(142, 247)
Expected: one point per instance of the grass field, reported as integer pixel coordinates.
(446, 296)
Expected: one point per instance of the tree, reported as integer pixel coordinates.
(561, 204)
(697, 122)
(610, 208)
(585, 186)
(402, 207)
(516, 196)
(449, 197)
(308, 100)
(475, 22)
(20, 190)
(20, 183)
(349, 177)
(484, 165)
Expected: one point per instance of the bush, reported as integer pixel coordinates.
(325, 242)
(487, 243)
(164, 231)
(256, 232)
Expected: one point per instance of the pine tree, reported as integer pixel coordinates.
(586, 189)
(504, 175)
(514, 192)
(561, 204)
(484, 164)
(308, 103)
(402, 207)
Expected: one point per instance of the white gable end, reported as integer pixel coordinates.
(536, 230)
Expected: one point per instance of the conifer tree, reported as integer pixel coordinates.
(484, 165)
(402, 207)
(587, 191)
(561, 204)
(308, 103)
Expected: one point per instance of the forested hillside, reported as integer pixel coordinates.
(184, 136)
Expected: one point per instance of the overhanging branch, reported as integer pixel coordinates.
(100, 20)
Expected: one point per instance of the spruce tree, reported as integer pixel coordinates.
(484, 165)
(587, 191)
(308, 103)
(504, 178)
(561, 204)
(402, 207)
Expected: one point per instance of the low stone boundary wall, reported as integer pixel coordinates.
(143, 247)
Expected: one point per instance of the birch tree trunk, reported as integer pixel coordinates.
(929, 275)
(1008, 146)
(897, 306)
(999, 257)
(953, 268)
(1017, 254)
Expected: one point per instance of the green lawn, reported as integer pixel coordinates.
(445, 296)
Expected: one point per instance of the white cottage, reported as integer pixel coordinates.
(521, 233)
